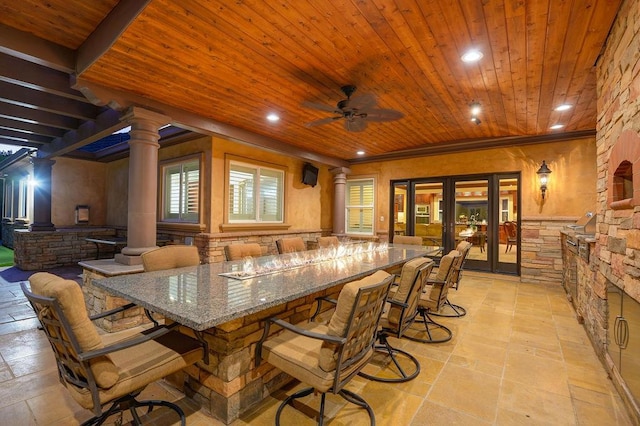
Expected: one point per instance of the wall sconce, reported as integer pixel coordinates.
(543, 176)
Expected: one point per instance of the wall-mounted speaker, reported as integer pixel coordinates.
(309, 174)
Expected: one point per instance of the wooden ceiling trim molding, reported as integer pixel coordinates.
(33, 49)
(475, 145)
(108, 32)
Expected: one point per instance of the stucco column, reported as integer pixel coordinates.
(339, 184)
(42, 195)
(143, 183)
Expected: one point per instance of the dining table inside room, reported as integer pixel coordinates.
(225, 304)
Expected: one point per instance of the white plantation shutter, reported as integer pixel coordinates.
(359, 206)
(182, 192)
(256, 194)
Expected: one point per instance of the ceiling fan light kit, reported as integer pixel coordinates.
(356, 111)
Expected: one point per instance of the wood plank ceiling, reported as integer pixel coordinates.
(220, 67)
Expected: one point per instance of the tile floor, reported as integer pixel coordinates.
(518, 357)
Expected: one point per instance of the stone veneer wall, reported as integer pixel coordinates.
(618, 230)
(541, 252)
(50, 249)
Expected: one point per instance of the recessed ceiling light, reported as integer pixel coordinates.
(557, 126)
(273, 117)
(471, 55)
(563, 107)
(360, 152)
(475, 108)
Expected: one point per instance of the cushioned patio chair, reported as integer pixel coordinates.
(291, 245)
(425, 329)
(327, 357)
(240, 251)
(400, 312)
(331, 241)
(111, 368)
(407, 240)
(449, 309)
(170, 257)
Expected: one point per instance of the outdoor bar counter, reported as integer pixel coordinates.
(228, 313)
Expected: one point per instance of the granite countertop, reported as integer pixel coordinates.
(200, 298)
(589, 238)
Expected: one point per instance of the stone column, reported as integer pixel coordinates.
(143, 183)
(42, 195)
(339, 183)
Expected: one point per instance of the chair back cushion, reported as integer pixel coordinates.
(331, 241)
(291, 245)
(410, 285)
(170, 257)
(440, 286)
(71, 300)
(356, 322)
(240, 251)
(408, 240)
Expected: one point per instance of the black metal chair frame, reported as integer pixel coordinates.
(69, 367)
(424, 314)
(359, 307)
(451, 310)
(408, 314)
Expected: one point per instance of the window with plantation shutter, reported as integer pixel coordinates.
(181, 192)
(359, 206)
(256, 194)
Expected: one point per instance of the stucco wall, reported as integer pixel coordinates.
(570, 193)
(78, 182)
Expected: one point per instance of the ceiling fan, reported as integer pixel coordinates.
(356, 111)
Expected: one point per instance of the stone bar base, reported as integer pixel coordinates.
(231, 384)
(98, 301)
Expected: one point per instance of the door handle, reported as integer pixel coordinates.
(625, 333)
(616, 330)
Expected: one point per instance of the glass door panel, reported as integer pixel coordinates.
(472, 217)
(428, 212)
(508, 226)
(399, 197)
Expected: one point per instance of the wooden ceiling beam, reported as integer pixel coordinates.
(197, 123)
(36, 116)
(32, 98)
(108, 32)
(27, 137)
(15, 142)
(30, 48)
(36, 129)
(34, 76)
(88, 132)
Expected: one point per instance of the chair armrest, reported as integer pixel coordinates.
(112, 311)
(127, 343)
(398, 303)
(320, 300)
(307, 333)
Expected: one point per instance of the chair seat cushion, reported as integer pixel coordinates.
(299, 355)
(143, 364)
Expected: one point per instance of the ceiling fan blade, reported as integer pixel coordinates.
(384, 115)
(322, 121)
(355, 124)
(362, 103)
(321, 107)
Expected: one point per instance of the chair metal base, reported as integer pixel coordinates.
(393, 353)
(429, 326)
(129, 402)
(347, 395)
(449, 310)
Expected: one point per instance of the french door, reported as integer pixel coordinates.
(482, 209)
